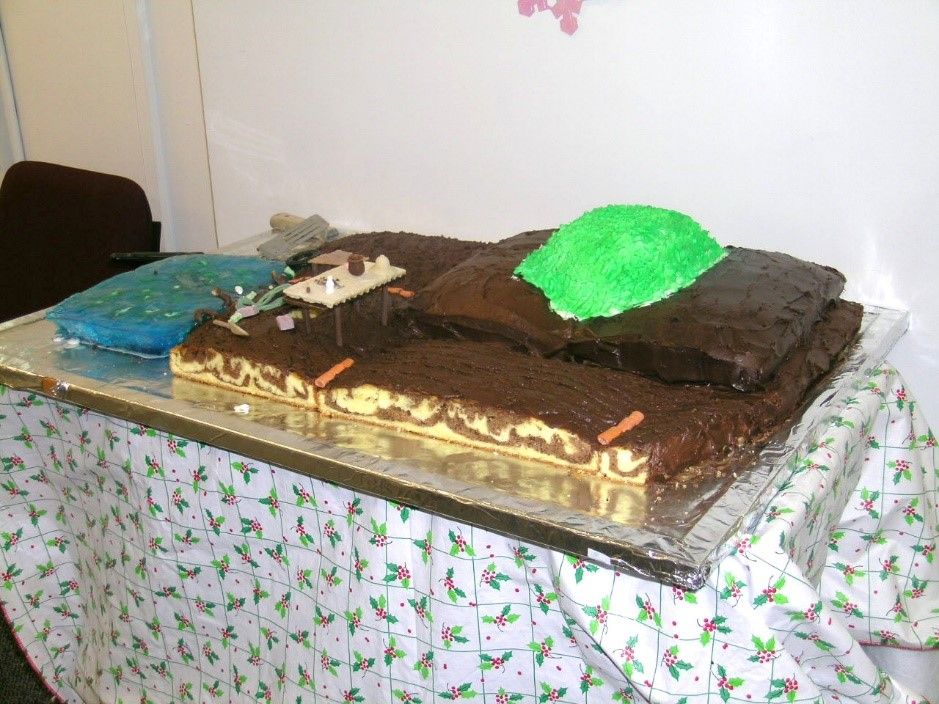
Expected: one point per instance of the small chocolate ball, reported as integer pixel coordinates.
(356, 264)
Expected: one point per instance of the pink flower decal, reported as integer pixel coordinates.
(565, 11)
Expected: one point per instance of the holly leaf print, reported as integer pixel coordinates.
(222, 566)
(359, 564)
(647, 611)
(502, 619)
(463, 691)
(153, 467)
(354, 619)
(902, 470)
(588, 680)
(283, 604)
(551, 694)
(424, 664)
(244, 551)
(459, 545)
(272, 502)
(329, 530)
(362, 663)
(399, 573)
(380, 608)
(673, 663)
(493, 578)
(331, 577)
(522, 555)
(580, 566)
(772, 594)
(710, 626)
(452, 634)
(421, 609)
(392, 652)
(544, 599)
(910, 514)
(926, 550)
(215, 522)
(245, 470)
(379, 534)
(25, 437)
(494, 662)
(176, 446)
(304, 497)
(542, 650)
(353, 509)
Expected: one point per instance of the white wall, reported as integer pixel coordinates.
(11, 142)
(177, 90)
(799, 126)
(77, 97)
(113, 86)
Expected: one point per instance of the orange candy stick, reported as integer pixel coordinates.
(625, 425)
(333, 372)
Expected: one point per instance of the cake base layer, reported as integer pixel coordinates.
(146, 311)
(733, 326)
(485, 395)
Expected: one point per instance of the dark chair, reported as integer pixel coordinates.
(58, 227)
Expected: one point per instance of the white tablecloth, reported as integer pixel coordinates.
(138, 566)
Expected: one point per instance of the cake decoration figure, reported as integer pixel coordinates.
(336, 257)
(624, 426)
(323, 379)
(619, 257)
(340, 285)
(382, 265)
(356, 264)
(233, 327)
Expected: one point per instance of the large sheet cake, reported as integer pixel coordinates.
(476, 358)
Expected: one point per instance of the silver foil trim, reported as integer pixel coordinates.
(672, 533)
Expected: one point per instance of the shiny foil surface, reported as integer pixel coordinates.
(671, 532)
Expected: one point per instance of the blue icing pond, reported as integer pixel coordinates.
(150, 310)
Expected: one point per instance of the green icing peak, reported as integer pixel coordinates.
(619, 257)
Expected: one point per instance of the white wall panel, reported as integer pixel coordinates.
(11, 143)
(178, 95)
(78, 87)
(113, 86)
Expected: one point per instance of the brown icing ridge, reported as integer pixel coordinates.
(733, 326)
(424, 256)
(684, 425)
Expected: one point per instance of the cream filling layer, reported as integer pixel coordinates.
(250, 378)
(369, 402)
(425, 415)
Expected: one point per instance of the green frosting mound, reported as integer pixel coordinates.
(619, 257)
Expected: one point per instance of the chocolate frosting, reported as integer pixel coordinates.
(424, 256)
(685, 424)
(733, 326)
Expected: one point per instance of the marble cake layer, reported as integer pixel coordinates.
(486, 395)
(493, 395)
